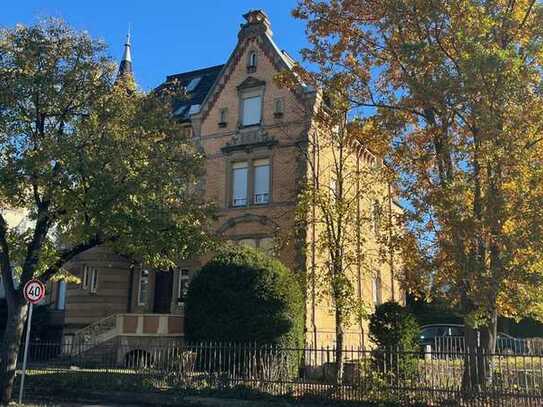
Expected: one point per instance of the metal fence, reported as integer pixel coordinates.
(406, 377)
(504, 345)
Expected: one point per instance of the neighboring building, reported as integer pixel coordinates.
(253, 133)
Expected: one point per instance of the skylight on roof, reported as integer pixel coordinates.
(193, 83)
(194, 109)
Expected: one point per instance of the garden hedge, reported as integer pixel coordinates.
(242, 295)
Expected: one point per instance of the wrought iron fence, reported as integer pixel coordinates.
(504, 345)
(378, 375)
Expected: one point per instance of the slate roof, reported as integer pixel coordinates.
(196, 89)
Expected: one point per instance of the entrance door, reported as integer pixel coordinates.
(163, 292)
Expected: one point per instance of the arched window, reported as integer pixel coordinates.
(251, 62)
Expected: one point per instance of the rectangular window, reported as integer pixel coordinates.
(261, 181)
(376, 215)
(94, 280)
(248, 242)
(239, 183)
(143, 286)
(182, 286)
(85, 277)
(222, 117)
(251, 110)
(376, 288)
(61, 295)
(278, 107)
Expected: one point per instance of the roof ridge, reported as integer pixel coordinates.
(209, 68)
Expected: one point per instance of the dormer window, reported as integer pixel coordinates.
(251, 62)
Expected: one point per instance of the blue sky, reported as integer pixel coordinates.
(167, 36)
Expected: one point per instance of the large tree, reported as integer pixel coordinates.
(88, 161)
(342, 207)
(455, 89)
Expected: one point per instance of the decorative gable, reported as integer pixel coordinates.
(255, 33)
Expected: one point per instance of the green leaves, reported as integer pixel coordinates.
(454, 88)
(98, 161)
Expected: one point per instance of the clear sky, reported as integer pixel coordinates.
(167, 36)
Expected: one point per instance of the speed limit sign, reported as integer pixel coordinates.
(34, 291)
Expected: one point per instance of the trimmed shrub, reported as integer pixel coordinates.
(395, 332)
(242, 295)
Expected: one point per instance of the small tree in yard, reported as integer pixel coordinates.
(345, 189)
(89, 162)
(244, 296)
(455, 89)
(395, 333)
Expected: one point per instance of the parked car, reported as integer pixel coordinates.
(450, 338)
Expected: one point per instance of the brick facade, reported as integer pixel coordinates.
(281, 138)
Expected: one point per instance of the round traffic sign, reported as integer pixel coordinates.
(34, 291)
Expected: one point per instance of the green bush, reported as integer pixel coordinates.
(242, 295)
(395, 332)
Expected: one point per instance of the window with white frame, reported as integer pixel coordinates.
(182, 285)
(251, 110)
(85, 278)
(143, 286)
(93, 281)
(261, 188)
(240, 172)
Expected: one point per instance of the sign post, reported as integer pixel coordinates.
(33, 291)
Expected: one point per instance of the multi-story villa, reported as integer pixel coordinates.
(253, 133)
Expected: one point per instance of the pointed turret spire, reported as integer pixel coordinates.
(125, 68)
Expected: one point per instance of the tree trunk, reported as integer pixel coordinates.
(10, 349)
(480, 347)
(339, 347)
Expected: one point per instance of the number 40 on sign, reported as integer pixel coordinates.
(33, 291)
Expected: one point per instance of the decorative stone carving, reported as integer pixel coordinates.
(248, 140)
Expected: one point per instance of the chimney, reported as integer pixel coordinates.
(257, 23)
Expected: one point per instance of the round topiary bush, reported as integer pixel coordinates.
(242, 295)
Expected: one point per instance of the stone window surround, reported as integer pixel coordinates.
(249, 157)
